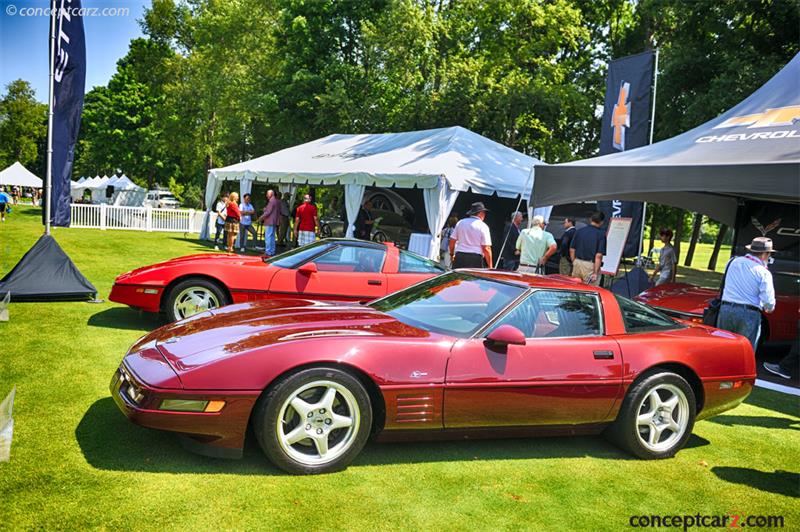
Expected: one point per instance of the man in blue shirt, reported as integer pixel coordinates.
(564, 261)
(246, 225)
(748, 290)
(587, 249)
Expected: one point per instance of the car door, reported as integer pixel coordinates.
(568, 372)
(344, 272)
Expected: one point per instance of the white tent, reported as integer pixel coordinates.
(126, 192)
(441, 162)
(99, 190)
(18, 175)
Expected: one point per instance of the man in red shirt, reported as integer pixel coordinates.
(306, 222)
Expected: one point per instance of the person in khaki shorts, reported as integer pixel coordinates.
(535, 246)
(587, 250)
(564, 261)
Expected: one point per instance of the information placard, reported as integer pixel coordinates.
(617, 235)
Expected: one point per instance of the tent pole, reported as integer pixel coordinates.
(521, 197)
(49, 173)
(652, 126)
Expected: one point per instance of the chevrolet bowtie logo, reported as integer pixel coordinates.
(780, 116)
(621, 116)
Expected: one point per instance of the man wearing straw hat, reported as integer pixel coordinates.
(748, 290)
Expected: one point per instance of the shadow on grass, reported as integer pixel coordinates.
(109, 441)
(125, 318)
(757, 421)
(775, 401)
(780, 482)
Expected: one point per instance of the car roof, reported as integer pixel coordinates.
(533, 281)
(358, 242)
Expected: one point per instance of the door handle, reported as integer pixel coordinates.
(603, 355)
(375, 282)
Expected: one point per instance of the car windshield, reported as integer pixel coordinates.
(297, 256)
(456, 304)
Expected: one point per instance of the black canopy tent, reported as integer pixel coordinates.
(750, 152)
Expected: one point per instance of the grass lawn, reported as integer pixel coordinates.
(76, 462)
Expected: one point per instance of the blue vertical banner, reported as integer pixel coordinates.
(69, 78)
(626, 125)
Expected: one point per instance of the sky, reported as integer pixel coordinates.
(24, 32)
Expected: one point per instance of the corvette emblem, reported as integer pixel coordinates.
(418, 374)
(621, 116)
(765, 230)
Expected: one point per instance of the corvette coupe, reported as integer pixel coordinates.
(331, 269)
(686, 301)
(465, 354)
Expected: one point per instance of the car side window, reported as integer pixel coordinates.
(554, 314)
(640, 318)
(351, 259)
(411, 263)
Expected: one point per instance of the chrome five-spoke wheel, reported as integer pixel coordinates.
(313, 421)
(192, 296)
(194, 300)
(663, 417)
(318, 422)
(656, 417)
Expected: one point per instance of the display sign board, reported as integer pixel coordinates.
(617, 235)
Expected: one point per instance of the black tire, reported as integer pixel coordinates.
(626, 431)
(269, 408)
(379, 236)
(325, 231)
(197, 283)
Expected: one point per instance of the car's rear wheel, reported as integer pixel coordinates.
(314, 421)
(379, 236)
(192, 296)
(657, 416)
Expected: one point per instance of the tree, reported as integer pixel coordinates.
(23, 126)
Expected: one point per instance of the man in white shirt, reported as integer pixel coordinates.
(471, 241)
(748, 290)
(535, 247)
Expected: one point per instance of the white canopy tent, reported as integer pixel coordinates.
(99, 190)
(126, 192)
(441, 162)
(18, 175)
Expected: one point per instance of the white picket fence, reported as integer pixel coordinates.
(104, 216)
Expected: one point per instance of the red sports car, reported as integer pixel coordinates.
(330, 269)
(466, 353)
(687, 302)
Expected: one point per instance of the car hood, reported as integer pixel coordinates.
(680, 297)
(195, 260)
(234, 330)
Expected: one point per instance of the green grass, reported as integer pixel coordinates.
(76, 462)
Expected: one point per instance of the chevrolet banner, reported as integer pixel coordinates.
(626, 125)
(69, 75)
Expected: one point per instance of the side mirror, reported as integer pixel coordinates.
(504, 336)
(308, 268)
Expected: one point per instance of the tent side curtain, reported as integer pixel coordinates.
(438, 204)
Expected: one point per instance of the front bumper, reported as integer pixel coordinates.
(144, 297)
(214, 433)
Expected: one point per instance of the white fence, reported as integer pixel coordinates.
(104, 216)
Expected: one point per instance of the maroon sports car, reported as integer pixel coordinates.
(464, 353)
(686, 301)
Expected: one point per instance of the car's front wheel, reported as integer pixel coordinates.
(657, 416)
(192, 296)
(314, 421)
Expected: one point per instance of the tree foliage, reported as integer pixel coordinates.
(23, 127)
(215, 82)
